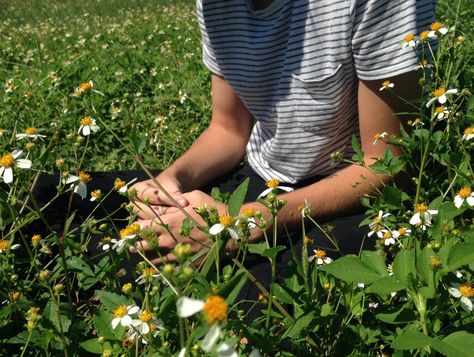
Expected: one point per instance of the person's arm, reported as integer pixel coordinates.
(337, 195)
(217, 150)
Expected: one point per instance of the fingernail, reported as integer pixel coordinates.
(182, 202)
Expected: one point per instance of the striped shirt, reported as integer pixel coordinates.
(296, 65)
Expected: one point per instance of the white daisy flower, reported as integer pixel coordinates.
(215, 310)
(441, 113)
(388, 237)
(440, 95)
(422, 217)
(122, 186)
(226, 222)
(9, 86)
(401, 232)
(437, 28)
(465, 292)
(122, 315)
(272, 185)
(127, 235)
(409, 41)
(145, 327)
(88, 125)
(10, 160)
(376, 226)
(30, 133)
(468, 133)
(320, 256)
(4, 245)
(85, 87)
(95, 195)
(386, 85)
(464, 194)
(148, 274)
(105, 243)
(78, 183)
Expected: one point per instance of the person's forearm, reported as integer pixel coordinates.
(334, 196)
(214, 153)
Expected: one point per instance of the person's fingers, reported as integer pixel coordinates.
(177, 197)
(149, 211)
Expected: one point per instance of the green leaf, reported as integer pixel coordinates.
(411, 340)
(92, 346)
(374, 261)
(111, 300)
(230, 290)
(237, 198)
(384, 286)
(271, 253)
(352, 270)
(401, 315)
(326, 310)
(359, 157)
(457, 344)
(282, 295)
(404, 268)
(102, 323)
(60, 322)
(298, 325)
(258, 248)
(460, 254)
(393, 196)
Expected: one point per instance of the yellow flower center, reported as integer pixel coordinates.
(7, 160)
(439, 109)
(307, 240)
(409, 37)
(402, 231)
(96, 193)
(273, 183)
(30, 131)
(386, 84)
(377, 219)
(320, 253)
(248, 212)
(106, 240)
(424, 35)
(465, 192)
(33, 310)
(86, 121)
(215, 309)
(36, 238)
(130, 230)
(435, 26)
(85, 87)
(120, 311)
(3, 244)
(434, 262)
(84, 177)
(377, 136)
(468, 131)
(226, 220)
(14, 296)
(422, 208)
(148, 271)
(439, 92)
(145, 316)
(466, 290)
(387, 235)
(118, 184)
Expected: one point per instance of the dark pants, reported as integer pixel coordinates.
(346, 230)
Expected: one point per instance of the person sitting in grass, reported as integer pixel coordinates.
(292, 82)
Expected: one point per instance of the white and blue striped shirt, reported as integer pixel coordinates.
(296, 66)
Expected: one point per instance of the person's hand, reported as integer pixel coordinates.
(159, 202)
(173, 218)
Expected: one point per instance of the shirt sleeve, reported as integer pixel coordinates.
(379, 27)
(208, 56)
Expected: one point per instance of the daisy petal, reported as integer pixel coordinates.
(454, 292)
(187, 307)
(216, 229)
(23, 163)
(211, 338)
(8, 175)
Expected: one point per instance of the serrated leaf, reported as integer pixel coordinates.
(411, 340)
(457, 344)
(102, 323)
(298, 325)
(385, 286)
(92, 346)
(460, 254)
(352, 270)
(111, 300)
(404, 268)
(401, 315)
(271, 253)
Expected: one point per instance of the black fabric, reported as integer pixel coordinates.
(346, 230)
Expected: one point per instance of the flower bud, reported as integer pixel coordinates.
(127, 288)
(167, 270)
(58, 289)
(13, 278)
(182, 250)
(44, 275)
(30, 146)
(187, 273)
(101, 339)
(35, 240)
